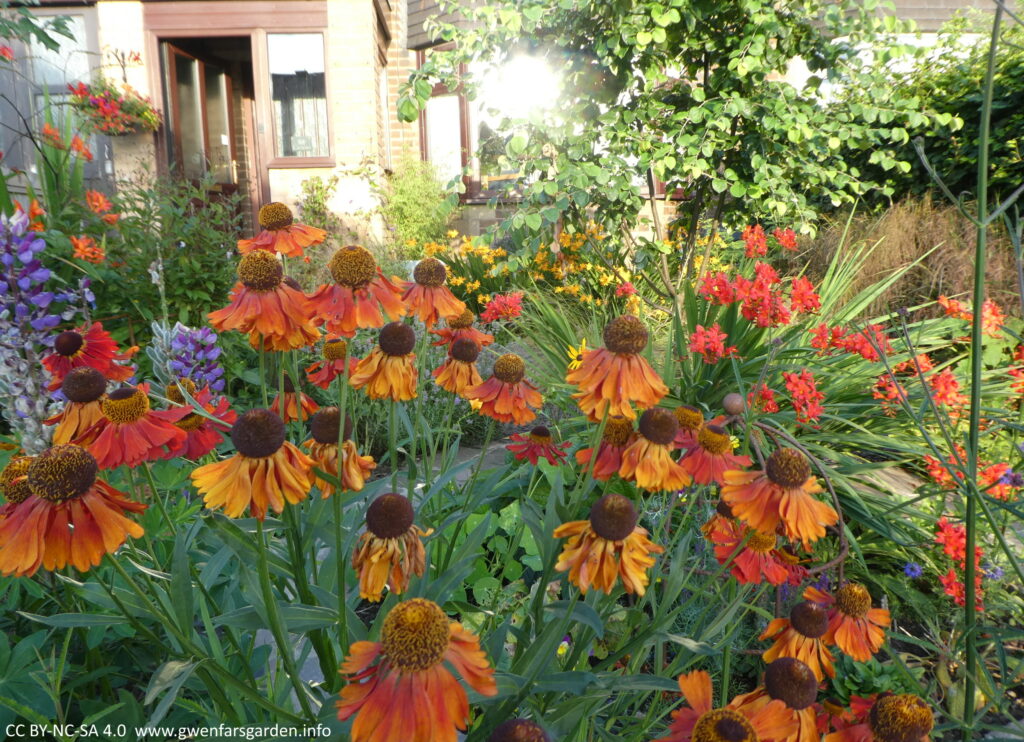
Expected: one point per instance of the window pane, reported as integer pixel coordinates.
(444, 136)
(69, 63)
(193, 153)
(298, 94)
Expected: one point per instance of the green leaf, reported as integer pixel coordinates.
(169, 677)
(643, 38)
(580, 612)
(533, 221)
(516, 145)
(74, 620)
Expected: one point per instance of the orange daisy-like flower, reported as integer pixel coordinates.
(892, 718)
(390, 550)
(427, 296)
(607, 546)
(800, 637)
(264, 305)
(610, 379)
(519, 730)
(323, 448)
(647, 460)
(296, 405)
(617, 434)
(701, 722)
(389, 371)
(14, 483)
(130, 432)
(83, 346)
(853, 625)
(690, 420)
(68, 517)
(537, 445)
(507, 396)
(794, 684)
(459, 371)
(711, 456)
(399, 688)
(322, 373)
(202, 434)
(83, 387)
(359, 292)
(281, 234)
(754, 555)
(782, 492)
(461, 326)
(267, 471)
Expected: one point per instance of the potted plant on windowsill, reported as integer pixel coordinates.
(114, 108)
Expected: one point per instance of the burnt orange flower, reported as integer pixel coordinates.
(265, 306)
(36, 213)
(461, 326)
(390, 550)
(610, 379)
(538, 445)
(892, 718)
(14, 483)
(267, 471)
(617, 435)
(507, 396)
(794, 684)
(295, 405)
(97, 202)
(459, 371)
(647, 460)
(800, 637)
(389, 371)
(519, 730)
(690, 420)
(130, 432)
(70, 517)
(711, 456)
(323, 448)
(85, 248)
(78, 146)
(853, 625)
(83, 346)
(83, 387)
(335, 353)
(701, 722)
(382, 679)
(359, 292)
(202, 434)
(427, 296)
(782, 492)
(607, 546)
(280, 233)
(756, 557)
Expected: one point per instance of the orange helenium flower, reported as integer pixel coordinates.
(83, 387)
(756, 556)
(69, 517)
(610, 379)
(617, 434)
(266, 307)
(323, 448)
(389, 371)
(537, 445)
(853, 625)
(427, 296)
(690, 420)
(14, 483)
(794, 684)
(335, 352)
(359, 292)
(267, 471)
(296, 404)
(202, 434)
(130, 432)
(399, 688)
(390, 550)
(647, 460)
(459, 372)
(507, 396)
(86, 347)
(461, 326)
(607, 546)
(892, 718)
(800, 637)
(280, 234)
(711, 456)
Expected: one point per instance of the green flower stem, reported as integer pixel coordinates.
(727, 651)
(159, 500)
(393, 444)
(468, 489)
(263, 374)
(339, 556)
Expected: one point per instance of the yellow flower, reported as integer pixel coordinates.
(453, 233)
(576, 354)
(476, 404)
(483, 298)
(410, 243)
(456, 280)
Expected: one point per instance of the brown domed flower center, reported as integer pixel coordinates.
(809, 619)
(174, 390)
(465, 350)
(191, 421)
(429, 272)
(613, 517)
(62, 472)
(389, 516)
(352, 266)
(853, 599)
(84, 384)
(791, 681)
(689, 418)
(761, 543)
(323, 426)
(335, 350)
(258, 433)
(540, 435)
(275, 215)
(658, 425)
(68, 343)
(902, 718)
(397, 339)
(519, 730)
(260, 271)
(714, 439)
(461, 321)
(287, 385)
(291, 283)
(125, 405)
(510, 368)
(788, 468)
(14, 479)
(617, 431)
(724, 509)
(415, 635)
(625, 334)
(723, 725)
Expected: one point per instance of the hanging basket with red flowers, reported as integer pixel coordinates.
(114, 108)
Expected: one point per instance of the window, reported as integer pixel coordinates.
(69, 63)
(298, 94)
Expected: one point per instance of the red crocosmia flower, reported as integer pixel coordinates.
(427, 296)
(93, 347)
(952, 538)
(85, 248)
(323, 372)
(717, 288)
(617, 435)
(955, 309)
(802, 297)
(753, 555)
(946, 389)
(35, 215)
(766, 275)
(890, 392)
(762, 305)
(461, 326)
(79, 147)
(203, 434)
(131, 433)
(710, 344)
(358, 294)
(763, 398)
(98, 203)
(755, 241)
(52, 136)
(111, 219)
(993, 480)
(867, 343)
(992, 319)
(712, 456)
(911, 365)
(507, 396)
(805, 395)
(536, 445)
(824, 339)
(625, 289)
(280, 234)
(503, 306)
(853, 625)
(6, 52)
(786, 238)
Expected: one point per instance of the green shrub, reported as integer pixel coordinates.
(414, 204)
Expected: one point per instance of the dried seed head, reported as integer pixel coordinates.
(733, 404)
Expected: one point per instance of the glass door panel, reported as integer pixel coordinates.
(218, 123)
